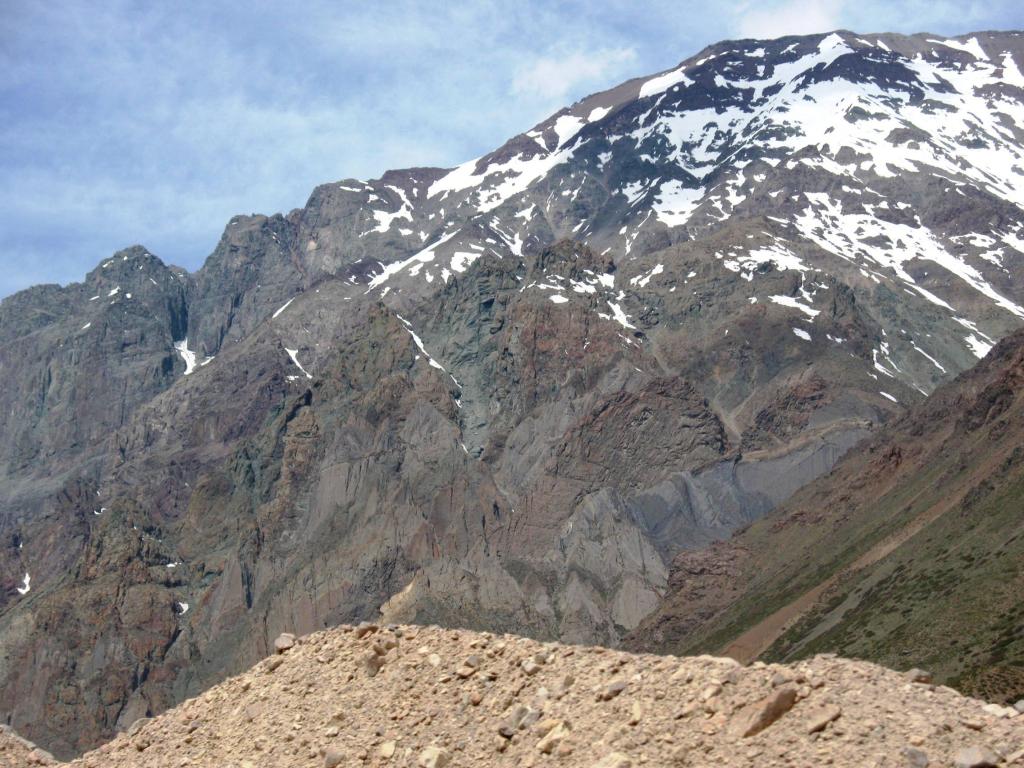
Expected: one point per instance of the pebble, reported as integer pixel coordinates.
(433, 757)
(767, 711)
(916, 675)
(915, 758)
(365, 628)
(371, 663)
(817, 721)
(612, 690)
(284, 642)
(975, 757)
(554, 732)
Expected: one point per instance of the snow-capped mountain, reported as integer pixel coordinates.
(882, 160)
(507, 394)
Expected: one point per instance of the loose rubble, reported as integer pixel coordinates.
(424, 697)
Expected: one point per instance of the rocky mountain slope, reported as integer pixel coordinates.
(420, 696)
(908, 552)
(504, 395)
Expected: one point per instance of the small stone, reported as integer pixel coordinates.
(759, 716)
(554, 737)
(562, 686)
(710, 692)
(387, 750)
(974, 723)
(371, 663)
(475, 698)
(916, 675)
(546, 726)
(1019, 706)
(636, 713)
(819, 720)
(975, 757)
(333, 757)
(284, 642)
(530, 667)
(465, 671)
(433, 757)
(612, 690)
(39, 756)
(915, 758)
(332, 731)
(274, 662)
(365, 628)
(520, 718)
(434, 660)
(996, 710)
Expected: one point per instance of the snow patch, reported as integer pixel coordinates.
(293, 354)
(186, 354)
(643, 280)
(789, 301)
(662, 83)
(282, 308)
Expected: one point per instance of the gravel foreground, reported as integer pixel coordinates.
(429, 697)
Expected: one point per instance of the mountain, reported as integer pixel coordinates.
(908, 552)
(431, 697)
(503, 396)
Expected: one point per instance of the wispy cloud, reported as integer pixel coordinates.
(793, 17)
(557, 75)
(125, 121)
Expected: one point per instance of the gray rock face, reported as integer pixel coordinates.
(501, 396)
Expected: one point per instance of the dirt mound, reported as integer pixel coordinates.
(416, 696)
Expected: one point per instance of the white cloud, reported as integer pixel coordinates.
(559, 75)
(792, 17)
(123, 122)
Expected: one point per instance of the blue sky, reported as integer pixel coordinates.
(154, 123)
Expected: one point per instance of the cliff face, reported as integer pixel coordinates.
(908, 552)
(505, 395)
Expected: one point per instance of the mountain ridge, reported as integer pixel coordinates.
(447, 405)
